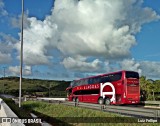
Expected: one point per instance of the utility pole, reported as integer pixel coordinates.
(21, 55)
(4, 74)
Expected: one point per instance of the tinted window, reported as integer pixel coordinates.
(94, 91)
(80, 82)
(111, 77)
(86, 81)
(103, 79)
(74, 83)
(83, 92)
(94, 80)
(77, 83)
(132, 75)
(90, 80)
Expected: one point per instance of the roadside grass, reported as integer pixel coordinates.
(60, 114)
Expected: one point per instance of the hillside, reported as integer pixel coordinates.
(10, 85)
(150, 89)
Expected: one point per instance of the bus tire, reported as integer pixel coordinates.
(73, 99)
(77, 100)
(107, 101)
(100, 101)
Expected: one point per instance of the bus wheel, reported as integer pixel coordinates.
(107, 101)
(73, 99)
(100, 101)
(77, 100)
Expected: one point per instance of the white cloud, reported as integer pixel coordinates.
(17, 21)
(7, 39)
(27, 70)
(6, 48)
(131, 64)
(3, 12)
(82, 65)
(5, 58)
(102, 30)
(15, 70)
(88, 28)
(36, 42)
(150, 69)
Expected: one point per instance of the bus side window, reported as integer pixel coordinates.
(86, 81)
(96, 80)
(77, 83)
(116, 77)
(78, 92)
(90, 81)
(105, 79)
(82, 82)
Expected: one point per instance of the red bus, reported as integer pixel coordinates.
(120, 87)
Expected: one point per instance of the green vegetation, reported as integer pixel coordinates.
(150, 90)
(48, 88)
(70, 115)
(60, 110)
(63, 115)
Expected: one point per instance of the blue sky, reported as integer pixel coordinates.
(66, 40)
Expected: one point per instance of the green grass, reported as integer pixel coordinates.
(60, 110)
(68, 114)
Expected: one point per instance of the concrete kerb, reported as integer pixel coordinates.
(7, 113)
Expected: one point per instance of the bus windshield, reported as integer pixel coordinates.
(130, 74)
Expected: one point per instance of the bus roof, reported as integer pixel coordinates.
(100, 75)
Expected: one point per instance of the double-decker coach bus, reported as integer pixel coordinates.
(120, 87)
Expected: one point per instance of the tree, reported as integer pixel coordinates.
(148, 87)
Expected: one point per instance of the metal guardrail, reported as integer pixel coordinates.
(65, 99)
(56, 99)
(140, 112)
(132, 111)
(151, 102)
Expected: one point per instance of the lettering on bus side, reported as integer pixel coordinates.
(95, 86)
(102, 94)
